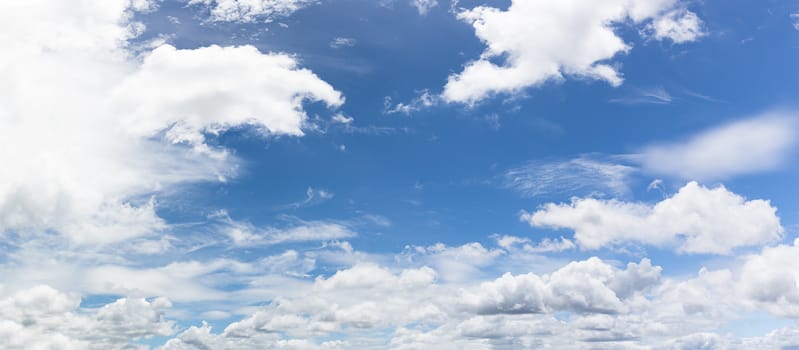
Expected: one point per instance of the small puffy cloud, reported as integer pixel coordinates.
(696, 219)
(795, 19)
(342, 119)
(679, 26)
(535, 41)
(251, 10)
(739, 148)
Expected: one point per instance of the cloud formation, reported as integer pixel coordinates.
(533, 42)
(97, 132)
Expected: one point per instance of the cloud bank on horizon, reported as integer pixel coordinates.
(233, 174)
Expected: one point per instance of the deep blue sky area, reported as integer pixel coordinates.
(439, 171)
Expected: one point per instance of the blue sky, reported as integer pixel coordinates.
(405, 174)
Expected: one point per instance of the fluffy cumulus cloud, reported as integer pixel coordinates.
(44, 318)
(378, 302)
(536, 41)
(696, 219)
(251, 10)
(97, 132)
(579, 305)
(772, 279)
(739, 148)
(214, 88)
(590, 286)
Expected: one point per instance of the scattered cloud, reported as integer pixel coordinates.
(340, 42)
(251, 10)
(547, 245)
(696, 219)
(679, 26)
(343, 119)
(424, 100)
(312, 197)
(533, 42)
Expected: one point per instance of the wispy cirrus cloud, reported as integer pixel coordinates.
(580, 175)
(251, 10)
(657, 95)
(741, 147)
(312, 197)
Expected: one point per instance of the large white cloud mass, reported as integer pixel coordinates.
(94, 129)
(535, 41)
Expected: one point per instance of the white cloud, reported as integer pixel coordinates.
(695, 220)
(343, 119)
(424, 6)
(771, 279)
(795, 18)
(340, 42)
(246, 234)
(547, 245)
(579, 175)
(97, 133)
(742, 147)
(251, 10)
(424, 100)
(214, 88)
(657, 95)
(535, 41)
(589, 286)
